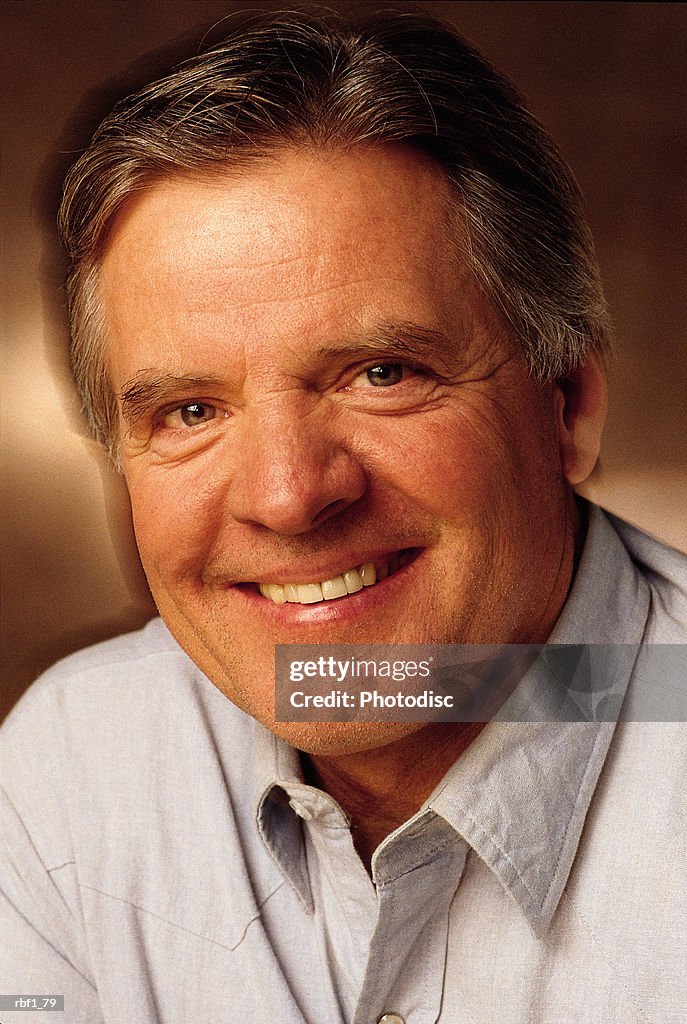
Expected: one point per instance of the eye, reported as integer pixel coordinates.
(385, 375)
(190, 415)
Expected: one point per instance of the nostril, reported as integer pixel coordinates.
(330, 510)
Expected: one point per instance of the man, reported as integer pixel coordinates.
(336, 315)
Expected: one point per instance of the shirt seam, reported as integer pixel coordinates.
(588, 767)
(54, 675)
(501, 852)
(58, 867)
(616, 973)
(540, 903)
(179, 927)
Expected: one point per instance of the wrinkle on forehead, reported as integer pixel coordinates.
(294, 253)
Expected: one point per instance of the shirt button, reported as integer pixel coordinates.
(391, 1018)
(301, 811)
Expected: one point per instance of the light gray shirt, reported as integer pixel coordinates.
(165, 863)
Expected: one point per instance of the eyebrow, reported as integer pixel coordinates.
(143, 392)
(146, 391)
(401, 338)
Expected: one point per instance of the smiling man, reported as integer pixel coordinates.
(336, 315)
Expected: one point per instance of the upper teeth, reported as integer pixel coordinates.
(349, 582)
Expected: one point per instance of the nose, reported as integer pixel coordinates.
(292, 472)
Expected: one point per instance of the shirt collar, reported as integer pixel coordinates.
(520, 793)
(608, 602)
(276, 777)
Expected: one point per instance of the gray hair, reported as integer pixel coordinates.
(303, 80)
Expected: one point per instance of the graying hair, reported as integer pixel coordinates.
(302, 80)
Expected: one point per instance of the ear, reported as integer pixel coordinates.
(581, 402)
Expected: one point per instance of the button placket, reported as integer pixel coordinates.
(406, 965)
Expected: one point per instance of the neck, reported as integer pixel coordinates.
(381, 789)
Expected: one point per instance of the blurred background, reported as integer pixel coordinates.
(608, 79)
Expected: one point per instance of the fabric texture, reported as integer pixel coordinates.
(164, 862)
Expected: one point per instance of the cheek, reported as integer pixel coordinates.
(458, 467)
(176, 516)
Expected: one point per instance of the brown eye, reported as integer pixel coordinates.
(385, 374)
(191, 415)
(196, 412)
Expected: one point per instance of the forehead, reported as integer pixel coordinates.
(301, 245)
(384, 177)
(289, 202)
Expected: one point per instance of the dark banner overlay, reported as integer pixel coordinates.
(478, 683)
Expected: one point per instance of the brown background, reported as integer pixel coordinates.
(608, 79)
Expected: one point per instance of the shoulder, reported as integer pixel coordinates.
(125, 671)
(122, 653)
(96, 722)
(665, 571)
(116, 694)
(124, 775)
(120, 679)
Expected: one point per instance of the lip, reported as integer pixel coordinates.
(323, 571)
(351, 607)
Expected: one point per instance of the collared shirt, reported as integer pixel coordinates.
(165, 862)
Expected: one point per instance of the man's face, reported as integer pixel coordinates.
(311, 383)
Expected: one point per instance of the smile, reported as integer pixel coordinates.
(348, 582)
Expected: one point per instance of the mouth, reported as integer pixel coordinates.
(349, 581)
